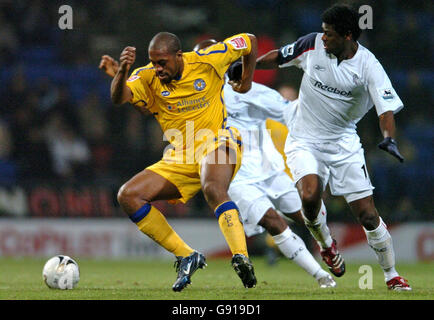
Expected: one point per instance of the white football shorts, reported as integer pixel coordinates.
(254, 200)
(341, 164)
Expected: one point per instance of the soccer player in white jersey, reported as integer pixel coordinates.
(342, 80)
(261, 185)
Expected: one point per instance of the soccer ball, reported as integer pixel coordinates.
(61, 272)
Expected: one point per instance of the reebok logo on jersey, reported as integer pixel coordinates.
(233, 115)
(238, 43)
(324, 87)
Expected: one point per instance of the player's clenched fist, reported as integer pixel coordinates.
(128, 56)
(239, 86)
(109, 65)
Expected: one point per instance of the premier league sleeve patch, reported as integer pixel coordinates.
(199, 84)
(238, 43)
(387, 94)
(132, 78)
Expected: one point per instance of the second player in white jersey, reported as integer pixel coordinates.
(261, 186)
(248, 113)
(262, 166)
(342, 80)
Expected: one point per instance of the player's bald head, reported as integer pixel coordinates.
(165, 41)
(166, 56)
(204, 44)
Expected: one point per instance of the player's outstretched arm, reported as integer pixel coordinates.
(268, 60)
(249, 65)
(109, 65)
(248, 68)
(388, 128)
(120, 93)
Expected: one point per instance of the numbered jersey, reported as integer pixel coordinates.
(334, 97)
(195, 100)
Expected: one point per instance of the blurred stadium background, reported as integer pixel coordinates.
(65, 149)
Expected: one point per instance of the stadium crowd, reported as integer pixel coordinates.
(57, 122)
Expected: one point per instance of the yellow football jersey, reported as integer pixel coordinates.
(278, 133)
(193, 104)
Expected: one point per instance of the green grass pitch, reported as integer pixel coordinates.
(21, 279)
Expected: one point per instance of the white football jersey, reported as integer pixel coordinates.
(334, 97)
(247, 112)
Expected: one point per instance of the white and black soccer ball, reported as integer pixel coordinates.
(61, 272)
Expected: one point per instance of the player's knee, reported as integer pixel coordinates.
(214, 193)
(366, 213)
(272, 222)
(311, 203)
(125, 195)
(369, 218)
(310, 189)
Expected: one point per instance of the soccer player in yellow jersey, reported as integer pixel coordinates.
(184, 91)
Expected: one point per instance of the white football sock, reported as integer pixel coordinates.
(293, 247)
(380, 241)
(318, 228)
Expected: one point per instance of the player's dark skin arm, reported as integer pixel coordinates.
(387, 124)
(268, 60)
(249, 64)
(387, 127)
(119, 91)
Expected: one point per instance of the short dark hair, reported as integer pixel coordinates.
(235, 71)
(166, 40)
(344, 19)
